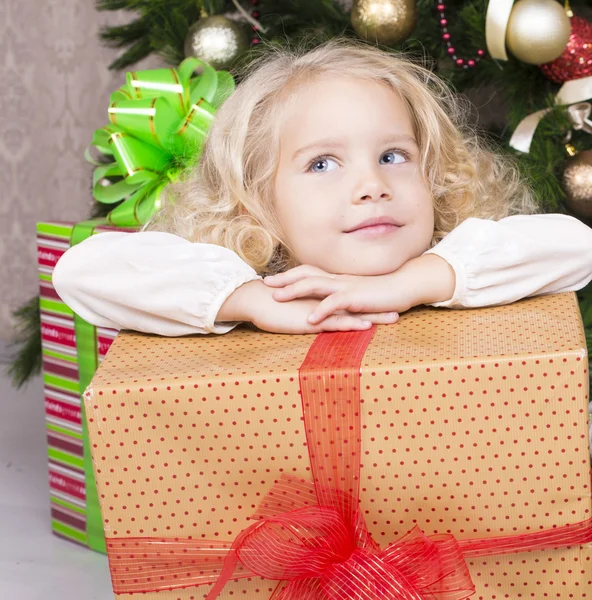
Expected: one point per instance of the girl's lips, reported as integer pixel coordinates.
(373, 231)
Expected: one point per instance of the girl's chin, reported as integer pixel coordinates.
(372, 268)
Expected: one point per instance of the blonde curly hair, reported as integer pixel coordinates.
(228, 199)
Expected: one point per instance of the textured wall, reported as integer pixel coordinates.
(54, 92)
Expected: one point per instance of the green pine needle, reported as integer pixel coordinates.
(161, 28)
(138, 51)
(26, 358)
(113, 5)
(124, 35)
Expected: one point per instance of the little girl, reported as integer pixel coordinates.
(350, 175)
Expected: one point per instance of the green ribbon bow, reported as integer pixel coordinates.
(159, 122)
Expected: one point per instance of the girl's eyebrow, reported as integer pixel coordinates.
(326, 143)
(330, 143)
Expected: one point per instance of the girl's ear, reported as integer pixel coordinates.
(242, 210)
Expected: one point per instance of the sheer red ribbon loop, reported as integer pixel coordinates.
(311, 536)
(314, 551)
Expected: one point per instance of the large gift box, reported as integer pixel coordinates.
(69, 361)
(442, 457)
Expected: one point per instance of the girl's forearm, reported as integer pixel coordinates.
(428, 278)
(238, 306)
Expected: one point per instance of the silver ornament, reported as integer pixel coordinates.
(216, 40)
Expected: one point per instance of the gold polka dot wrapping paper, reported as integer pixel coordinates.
(473, 423)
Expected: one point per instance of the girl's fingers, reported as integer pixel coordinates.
(315, 287)
(377, 318)
(349, 322)
(343, 323)
(293, 275)
(329, 306)
(380, 318)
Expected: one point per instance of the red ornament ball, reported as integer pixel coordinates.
(576, 60)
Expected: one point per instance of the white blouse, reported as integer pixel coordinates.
(160, 283)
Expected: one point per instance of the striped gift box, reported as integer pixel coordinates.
(61, 384)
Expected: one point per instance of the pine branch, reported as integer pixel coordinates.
(113, 5)
(138, 51)
(26, 360)
(122, 35)
(161, 28)
(303, 22)
(214, 7)
(169, 37)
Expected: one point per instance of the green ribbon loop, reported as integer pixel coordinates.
(160, 120)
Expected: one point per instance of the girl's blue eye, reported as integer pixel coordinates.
(393, 160)
(322, 162)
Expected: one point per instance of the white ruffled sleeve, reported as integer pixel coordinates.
(150, 281)
(499, 262)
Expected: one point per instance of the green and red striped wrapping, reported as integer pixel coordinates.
(75, 513)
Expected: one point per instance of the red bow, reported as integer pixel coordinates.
(319, 556)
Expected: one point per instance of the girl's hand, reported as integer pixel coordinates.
(422, 280)
(351, 293)
(293, 317)
(254, 302)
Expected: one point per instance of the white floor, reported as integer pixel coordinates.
(34, 564)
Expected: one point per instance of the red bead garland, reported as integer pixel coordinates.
(255, 14)
(460, 62)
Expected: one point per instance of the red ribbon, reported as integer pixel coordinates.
(311, 536)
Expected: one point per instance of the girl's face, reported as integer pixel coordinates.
(348, 155)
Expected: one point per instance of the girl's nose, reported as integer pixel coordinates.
(371, 183)
(371, 189)
(375, 196)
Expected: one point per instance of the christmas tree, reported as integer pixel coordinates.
(533, 57)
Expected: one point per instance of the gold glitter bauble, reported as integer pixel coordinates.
(577, 183)
(216, 40)
(384, 21)
(538, 31)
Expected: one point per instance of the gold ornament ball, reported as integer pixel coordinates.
(538, 31)
(577, 183)
(384, 21)
(216, 40)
